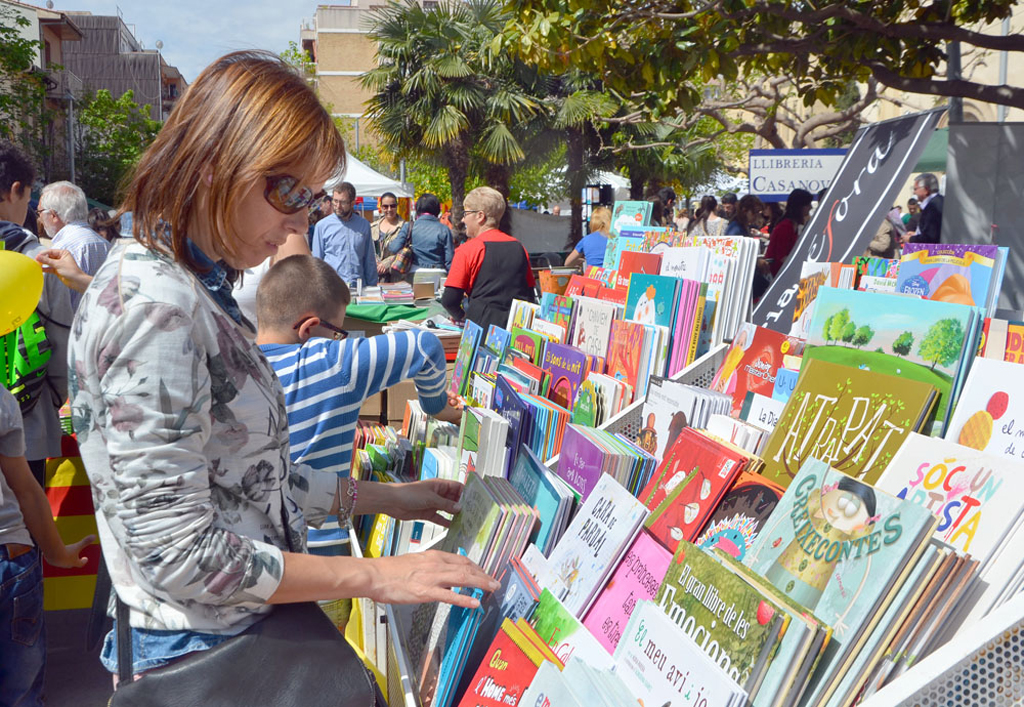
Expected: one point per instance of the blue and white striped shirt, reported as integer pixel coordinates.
(325, 383)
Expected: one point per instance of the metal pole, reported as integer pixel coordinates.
(956, 104)
(1003, 60)
(71, 134)
(357, 133)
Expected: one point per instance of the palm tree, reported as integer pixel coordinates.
(442, 93)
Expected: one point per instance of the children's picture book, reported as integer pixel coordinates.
(636, 262)
(706, 598)
(542, 490)
(568, 368)
(507, 670)
(593, 543)
(565, 635)
(556, 309)
(946, 272)
(688, 485)
(1003, 340)
(990, 414)
(743, 510)
(813, 277)
(853, 419)
(917, 340)
(632, 214)
(464, 358)
(636, 578)
(752, 363)
(651, 299)
(976, 497)
(593, 326)
(530, 343)
(625, 351)
(498, 340)
(839, 547)
(662, 665)
(550, 687)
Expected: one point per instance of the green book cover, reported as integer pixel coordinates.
(565, 635)
(736, 625)
(531, 343)
(850, 419)
(838, 547)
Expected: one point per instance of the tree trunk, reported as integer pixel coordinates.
(456, 161)
(636, 185)
(498, 176)
(576, 177)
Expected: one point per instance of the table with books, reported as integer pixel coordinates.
(685, 508)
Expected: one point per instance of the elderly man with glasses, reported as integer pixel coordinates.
(63, 212)
(343, 240)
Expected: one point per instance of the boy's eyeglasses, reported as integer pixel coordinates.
(339, 334)
(285, 194)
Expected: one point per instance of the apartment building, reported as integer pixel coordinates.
(111, 57)
(335, 39)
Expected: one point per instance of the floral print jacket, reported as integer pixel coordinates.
(182, 426)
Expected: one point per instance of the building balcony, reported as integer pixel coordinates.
(61, 82)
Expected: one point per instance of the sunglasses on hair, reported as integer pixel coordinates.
(285, 194)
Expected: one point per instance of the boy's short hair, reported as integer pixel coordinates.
(15, 166)
(296, 285)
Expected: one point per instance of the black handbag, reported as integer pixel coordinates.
(294, 657)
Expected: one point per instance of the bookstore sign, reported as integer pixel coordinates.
(775, 173)
(877, 166)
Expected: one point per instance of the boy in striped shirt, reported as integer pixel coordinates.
(300, 305)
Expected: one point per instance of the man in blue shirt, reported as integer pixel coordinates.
(343, 240)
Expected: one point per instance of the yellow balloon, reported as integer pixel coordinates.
(21, 284)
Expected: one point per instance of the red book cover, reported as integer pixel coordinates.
(633, 261)
(585, 286)
(505, 672)
(530, 370)
(613, 294)
(687, 487)
(625, 349)
(752, 363)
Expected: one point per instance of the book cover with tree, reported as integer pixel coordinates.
(914, 339)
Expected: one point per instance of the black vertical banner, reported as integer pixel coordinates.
(877, 166)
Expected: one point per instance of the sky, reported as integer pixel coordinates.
(195, 32)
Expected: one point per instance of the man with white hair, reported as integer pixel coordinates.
(63, 211)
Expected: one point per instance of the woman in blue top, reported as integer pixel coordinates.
(591, 247)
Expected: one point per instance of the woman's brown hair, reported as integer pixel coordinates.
(247, 116)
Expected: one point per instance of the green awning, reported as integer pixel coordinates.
(933, 159)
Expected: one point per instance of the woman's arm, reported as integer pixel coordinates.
(574, 257)
(408, 579)
(62, 264)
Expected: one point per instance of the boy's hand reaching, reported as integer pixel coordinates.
(422, 500)
(71, 555)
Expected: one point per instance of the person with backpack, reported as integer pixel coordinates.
(34, 356)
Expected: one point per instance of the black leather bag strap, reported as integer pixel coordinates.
(125, 672)
(96, 627)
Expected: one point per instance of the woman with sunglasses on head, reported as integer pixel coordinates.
(386, 228)
(181, 420)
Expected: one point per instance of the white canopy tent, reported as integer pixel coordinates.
(369, 182)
